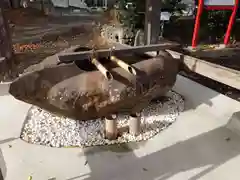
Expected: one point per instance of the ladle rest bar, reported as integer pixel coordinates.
(73, 56)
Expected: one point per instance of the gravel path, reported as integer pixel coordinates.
(44, 128)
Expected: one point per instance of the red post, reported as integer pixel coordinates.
(231, 21)
(197, 23)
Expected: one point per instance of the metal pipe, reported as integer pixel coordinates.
(102, 69)
(121, 63)
(111, 127)
(135, 124)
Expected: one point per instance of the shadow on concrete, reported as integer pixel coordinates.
(198, 92)
(7, 140)
(207, 151)
(3, 169)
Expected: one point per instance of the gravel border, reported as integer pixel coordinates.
(44, 128)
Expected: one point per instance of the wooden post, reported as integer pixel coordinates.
(7, 3)
(152, 21)
(42, 6)
(106, 3)
(95, 3)
(135, 124)
(111, 127)
(15, 4)
(6, 49)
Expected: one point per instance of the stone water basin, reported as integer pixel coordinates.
(78, 90)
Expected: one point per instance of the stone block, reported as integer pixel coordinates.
(234, 123)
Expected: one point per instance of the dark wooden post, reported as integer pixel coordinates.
(6, 49)
(6, 3)
(15, 4)
(152, 21)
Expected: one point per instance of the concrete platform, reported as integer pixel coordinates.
(198, 146)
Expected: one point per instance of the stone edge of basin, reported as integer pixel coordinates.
(4, 86)
(234, 123)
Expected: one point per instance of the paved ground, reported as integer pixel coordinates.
(197, 146)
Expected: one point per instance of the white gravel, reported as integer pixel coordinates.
(45, 128)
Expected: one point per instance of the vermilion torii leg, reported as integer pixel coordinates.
(231, 21)
(197, 23)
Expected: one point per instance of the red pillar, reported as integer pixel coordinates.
(231, 21)
(197, 23)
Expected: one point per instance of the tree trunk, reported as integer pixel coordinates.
(6, 49)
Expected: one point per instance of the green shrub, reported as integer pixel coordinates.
(213, 23)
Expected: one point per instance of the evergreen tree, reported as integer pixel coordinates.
(133, 16)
